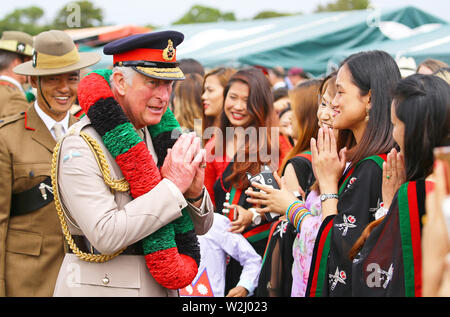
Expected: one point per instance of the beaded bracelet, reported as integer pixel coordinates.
(296, 212)
(291, 209)
(301, 219)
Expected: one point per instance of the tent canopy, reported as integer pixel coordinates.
(309, 41)
(306, 41)
(433, 44)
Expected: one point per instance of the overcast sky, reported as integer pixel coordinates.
(164, 12)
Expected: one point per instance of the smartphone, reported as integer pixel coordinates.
(265, 177)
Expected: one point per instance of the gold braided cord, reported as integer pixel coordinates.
(120, 185)
(169, 72)
(88, 257)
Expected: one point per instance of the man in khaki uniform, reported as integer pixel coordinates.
(103, 221)
(31, 242)
(15, 48)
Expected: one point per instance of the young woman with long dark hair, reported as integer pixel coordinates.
(247, 141)
(297, 176)
(387, 256)
(350, 199)
(276, 278)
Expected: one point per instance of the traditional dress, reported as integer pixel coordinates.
(303, 245)
(303, 170)
(389, 263)
(359, 198)
(276, 278)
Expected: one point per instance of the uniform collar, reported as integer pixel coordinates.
(12, 81)
(50, 122)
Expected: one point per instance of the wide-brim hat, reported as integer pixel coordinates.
(17, 42)
(406, 65)
(55, 53)
(151, 54)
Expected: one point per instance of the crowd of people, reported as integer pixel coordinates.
(159, 177)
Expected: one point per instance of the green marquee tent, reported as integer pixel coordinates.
(432, 44)
(308, 41)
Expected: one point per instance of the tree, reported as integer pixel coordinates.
(272, 14)
(344, 5)
(81, 14)
(25, 20)
(202, 14)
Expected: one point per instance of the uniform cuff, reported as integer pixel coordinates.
(176, 193)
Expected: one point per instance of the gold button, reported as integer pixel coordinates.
(105, 280)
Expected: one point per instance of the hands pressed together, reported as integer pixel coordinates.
(185, 165)
(394, 175)
(328, 164)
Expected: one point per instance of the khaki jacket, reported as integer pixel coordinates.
(111, 221)
(12, 100)
(31, 245)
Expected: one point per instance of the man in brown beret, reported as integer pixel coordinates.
(15, 48)
(31, 241)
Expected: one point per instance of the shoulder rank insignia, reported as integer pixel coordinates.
(71, 155)
(169, 51)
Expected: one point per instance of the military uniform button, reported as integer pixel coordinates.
(105, 280)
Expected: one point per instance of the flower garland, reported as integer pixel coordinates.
(172, 253)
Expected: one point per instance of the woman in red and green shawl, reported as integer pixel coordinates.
(387, 257)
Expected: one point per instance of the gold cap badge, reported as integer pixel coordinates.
(169, 51)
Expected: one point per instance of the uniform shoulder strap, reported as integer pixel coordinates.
(8, 84)
(10, 119)
(77, 111)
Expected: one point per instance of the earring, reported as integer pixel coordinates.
(367, 115)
